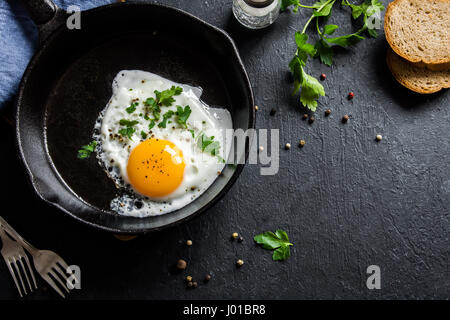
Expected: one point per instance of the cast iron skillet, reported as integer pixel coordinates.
(68, 82)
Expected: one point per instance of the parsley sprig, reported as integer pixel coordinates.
(277, 241)
(310, 88)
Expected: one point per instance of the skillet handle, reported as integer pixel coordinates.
(46, 15)
(41, 11)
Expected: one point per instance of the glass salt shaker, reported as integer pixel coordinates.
(256, 14)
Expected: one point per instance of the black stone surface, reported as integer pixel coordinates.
(345, 200)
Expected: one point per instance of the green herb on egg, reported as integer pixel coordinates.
(132, 107)
(166, 117)
(128, 131)
(183, 115)
(165, 98)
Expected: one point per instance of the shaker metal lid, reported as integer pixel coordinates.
(259, 3)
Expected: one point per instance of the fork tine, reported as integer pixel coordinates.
(61, 271)
(20, 275)
(63, 264)
(14, 277)
(52, 284)
(27, 261)
(64, 285)
(26, 274)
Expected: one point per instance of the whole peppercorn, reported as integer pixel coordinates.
(327, 112)
(235, 235)
(189, 243)
(261, 148)
(195, 284)
(345, 118)
(287, 146)
(311, 119)
(181, 264)
(207, 277)
(323, 76)
(379, 137)
(240, 239)
(351, 95)
(240, 263)
(256, 108)
(302, 143)
(273, 111)
(190, 284)
(188, 278)
(305, 116)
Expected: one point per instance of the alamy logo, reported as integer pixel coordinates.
(74, 20)
(374, 279)
(74, 279)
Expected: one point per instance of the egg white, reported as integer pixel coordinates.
(201, 168)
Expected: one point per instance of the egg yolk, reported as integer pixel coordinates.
(155, 168)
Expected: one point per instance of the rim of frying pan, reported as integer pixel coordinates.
(24, 83)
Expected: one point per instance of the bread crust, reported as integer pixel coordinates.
(439, 64)
(393, 62)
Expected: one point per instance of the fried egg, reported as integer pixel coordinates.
(158, 160)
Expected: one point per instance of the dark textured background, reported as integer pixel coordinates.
(346, 201)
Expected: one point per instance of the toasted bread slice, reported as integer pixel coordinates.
(419, 31)
(415, 77)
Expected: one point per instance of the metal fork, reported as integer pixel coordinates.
(47, 263)
(14, 255)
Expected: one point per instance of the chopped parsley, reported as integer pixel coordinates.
(132, 107)
(183, 115)
(166, 116)
(128, 131)
(143, 135)
(85, 151)
(207, 144)
(165, 98)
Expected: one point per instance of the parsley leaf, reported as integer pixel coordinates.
(143, 135)
(151, 124)
(330, 29)
(345, 41)
(85, 151)
(152, 107)
(165, 98)
(207, 144)
(324, 52)
(128, 123)
(128, 131)
(323, 8)
(183, 115)
(311, 90)
(277, 241)
(132, 107)
(166, 116)
(304, 48)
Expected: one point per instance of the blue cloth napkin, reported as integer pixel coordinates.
(19, 39)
